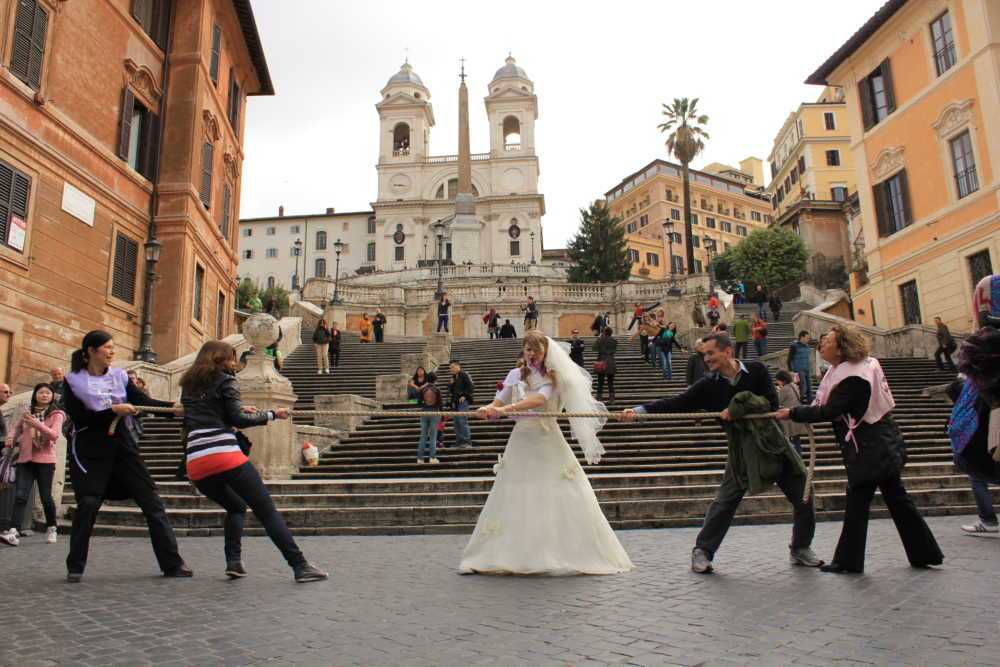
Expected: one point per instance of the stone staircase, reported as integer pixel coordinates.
(654, 474)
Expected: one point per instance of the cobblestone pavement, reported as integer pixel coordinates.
(398, 601)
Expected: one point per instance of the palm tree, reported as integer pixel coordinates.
(685, 142)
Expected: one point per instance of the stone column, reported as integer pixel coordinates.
(275, 449)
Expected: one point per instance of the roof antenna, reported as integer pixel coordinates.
(462, 75)
(406, 58)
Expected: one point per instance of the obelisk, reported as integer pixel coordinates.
(465, 230)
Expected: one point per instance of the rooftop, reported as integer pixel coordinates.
(885, 12)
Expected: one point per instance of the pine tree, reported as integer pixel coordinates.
(598, 251)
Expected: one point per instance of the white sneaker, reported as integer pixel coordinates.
(433, 460)
(420, 460)
(9, 537)
(52, 535)
(980, 528)
(319, 372)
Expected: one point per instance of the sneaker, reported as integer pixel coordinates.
(700, 562)
(319, 372)
(805, 557)
(52, 535)
(305, 573)
(978, 528)
(420, 461)
(26, 533)
(9, 537)
(74, 577)
(182, 571)
(235, 570)
(434, 460)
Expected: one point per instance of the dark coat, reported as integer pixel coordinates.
(461, 386)
(605, 347)
(508, 331)
(714, 392)
(334, 340)
(321, 336)
(218, 406)
(378, 322)
(576, 351)
(696, 368)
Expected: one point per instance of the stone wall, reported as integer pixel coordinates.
(910, 341)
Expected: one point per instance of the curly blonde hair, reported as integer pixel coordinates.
(537, 342)
(853, 344)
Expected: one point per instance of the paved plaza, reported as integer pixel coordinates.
(398, 601)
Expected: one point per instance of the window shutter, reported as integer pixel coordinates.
(161, 29)
(139, 9)
(213, 68)
(28, 52)
(38, 31)
(207, 155)
(234, 102)
(6, 188)
(125, 266)
(865, 98)
(125, 123)
(890, 95)
(151, 148)
(226, 203)
(904, 192)
(880, 208)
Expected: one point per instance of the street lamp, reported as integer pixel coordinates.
(710, 249)
(439, 233)
(532, 236)
(145, 352)
(668, 230)
(297, 251)
(338, 248)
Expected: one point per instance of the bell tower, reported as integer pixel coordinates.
(405, 118)
(512, 109)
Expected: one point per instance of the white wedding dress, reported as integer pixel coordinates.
(542, 516)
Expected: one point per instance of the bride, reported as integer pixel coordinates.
(542, 516)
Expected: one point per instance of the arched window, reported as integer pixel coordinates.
(511, 133)
(452, 189)
(320, 267)
(270, 282)
(320, 240)
(401, 139)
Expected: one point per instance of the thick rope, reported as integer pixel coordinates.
(647, 416)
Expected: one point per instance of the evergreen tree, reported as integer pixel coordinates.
(771, 257)
(598, 251)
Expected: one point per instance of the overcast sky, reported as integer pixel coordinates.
(601, 71)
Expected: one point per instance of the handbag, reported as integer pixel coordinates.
(600, 366)
(244, 442)
(8, 466)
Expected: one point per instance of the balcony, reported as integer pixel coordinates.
(512, 148)
(400, 152)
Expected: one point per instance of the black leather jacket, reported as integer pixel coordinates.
(218, 406)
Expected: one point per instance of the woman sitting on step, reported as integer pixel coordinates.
(217, 460)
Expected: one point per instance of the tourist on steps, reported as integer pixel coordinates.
(576, 346)
(728, 376)
(442, 309)
(799, 361)
(462, 393)
(378, 325)
(946, 346)
(334, 349)
(758, 330)
(430, 401)
(414, 388)
(35, 437)
(760, 298)
(217, 462)
(666, 341)
(492, 321)
(606, 346)
(789, 397)
(530, 314)
(775, 304)
(696, 368)
(508, 330)
(105, 466)
(855, 396)
(365, 328)
(741, 335)
(321, 343)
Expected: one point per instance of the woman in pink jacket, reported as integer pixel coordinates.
(36, 434)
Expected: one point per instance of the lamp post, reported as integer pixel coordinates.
(338, 248)
(710, 249)
(145, 353)
(668, 230)
(532, 236)
(297, 251)
(439, 233)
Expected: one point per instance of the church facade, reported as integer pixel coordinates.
(417, 189)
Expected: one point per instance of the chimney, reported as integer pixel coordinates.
(281, 211)
(329, 211)
(755, 167)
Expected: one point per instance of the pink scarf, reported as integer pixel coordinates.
(869, 370)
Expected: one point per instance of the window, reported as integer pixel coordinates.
(220, 317)
(321, 240)
(694, 218)
(675, 214)
(696, 241)
(633, 255)
(320, 268)
(964, 163)
(248, 231)
(370, 254)
(678, 264)
(741, 230)
(911, 302)
(630, 228)
(652, 259)
(227, 204)
(892, 204)
(294, 229)
(710, 222)
(838, 193)
(213, 67)
(794, 174)
(697, 266)
(233, 106)
(781, 193)
(829, 121)
(138, 134)
(944, 43)
(400, 253)
(726, 226)
(248, 254)
(152, 15)
(876, 95)
(28, 53)
(802, 164)
(207, 156)
(980, 266)
(271, 231)
(271, 253)
(755, 216)
(371, 224)
(515, 248)
(643, 220)
(676, 237)
(270, 282)
(125, 268)
(199, 289)
(15, 188)
(788, 185)
(833, 158)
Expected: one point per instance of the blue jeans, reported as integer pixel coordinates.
(666, 363)
(442, 322)
(805, 384)
(984, 501)
(428, 437)
(761, 312)
(463, 435)
(761, 345)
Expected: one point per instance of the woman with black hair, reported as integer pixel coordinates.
(217, 462)
(414, 388)
(35, 438)
(104, 461)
